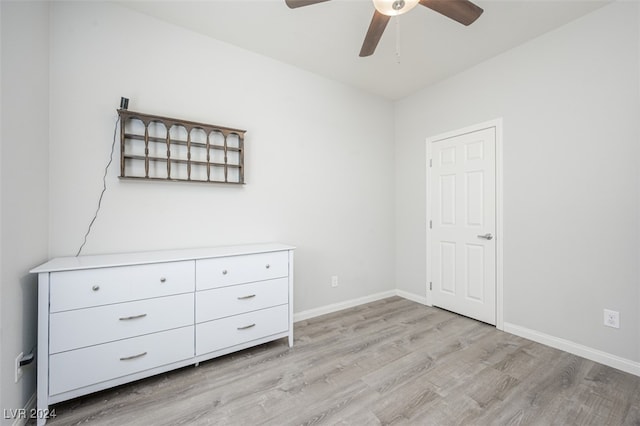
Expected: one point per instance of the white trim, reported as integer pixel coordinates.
(335, 307)
(328, 309)
(499, 228)
(428, 222)
(411, 296)
(626, 365)
(31, 404)
(497, 124)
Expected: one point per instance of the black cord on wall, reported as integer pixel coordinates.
(104, 187)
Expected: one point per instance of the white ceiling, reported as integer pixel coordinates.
(325, 38)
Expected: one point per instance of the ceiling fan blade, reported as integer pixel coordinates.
(462, 11)
(374, 33)
(299, 3)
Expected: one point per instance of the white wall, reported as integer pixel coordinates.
(23, 186)
(319, 155)
(570, 102)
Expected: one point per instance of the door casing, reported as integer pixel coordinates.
(497, 124)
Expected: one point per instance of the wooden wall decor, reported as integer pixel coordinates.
(163, 148)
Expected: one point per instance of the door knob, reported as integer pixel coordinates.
(486, 236)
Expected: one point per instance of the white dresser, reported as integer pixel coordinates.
(111, 319)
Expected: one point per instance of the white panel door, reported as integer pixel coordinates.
(463, 224)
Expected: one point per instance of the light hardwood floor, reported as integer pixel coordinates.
(388, 362)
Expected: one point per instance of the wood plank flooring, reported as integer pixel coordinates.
(388, 362)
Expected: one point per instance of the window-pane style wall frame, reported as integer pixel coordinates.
(162, 148)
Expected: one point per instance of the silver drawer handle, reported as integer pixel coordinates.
(163, 279)
(127, 358)
(267, 266)
(133, 317)
(486, 236)
(247, 326)
(95, 288)
(246, 297)
(224, 272)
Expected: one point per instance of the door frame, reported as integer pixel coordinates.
(497, 124)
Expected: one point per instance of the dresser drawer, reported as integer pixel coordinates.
(95, 287)
(238, 299)
(95, 364)
(225, 271)
(91, 326)
(223, 333)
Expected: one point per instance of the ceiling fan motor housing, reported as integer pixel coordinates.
(394, 7)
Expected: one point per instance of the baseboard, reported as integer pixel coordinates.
(328, 309)
(22, 420)
(411, 296)
(601, 357)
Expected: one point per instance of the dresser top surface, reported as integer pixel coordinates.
(124, 259)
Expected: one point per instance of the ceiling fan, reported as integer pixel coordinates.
(462, 11)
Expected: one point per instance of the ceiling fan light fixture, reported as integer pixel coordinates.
(394, 7)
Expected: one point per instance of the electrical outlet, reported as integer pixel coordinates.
(18, 374)
(611, 318)
(334, 281)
